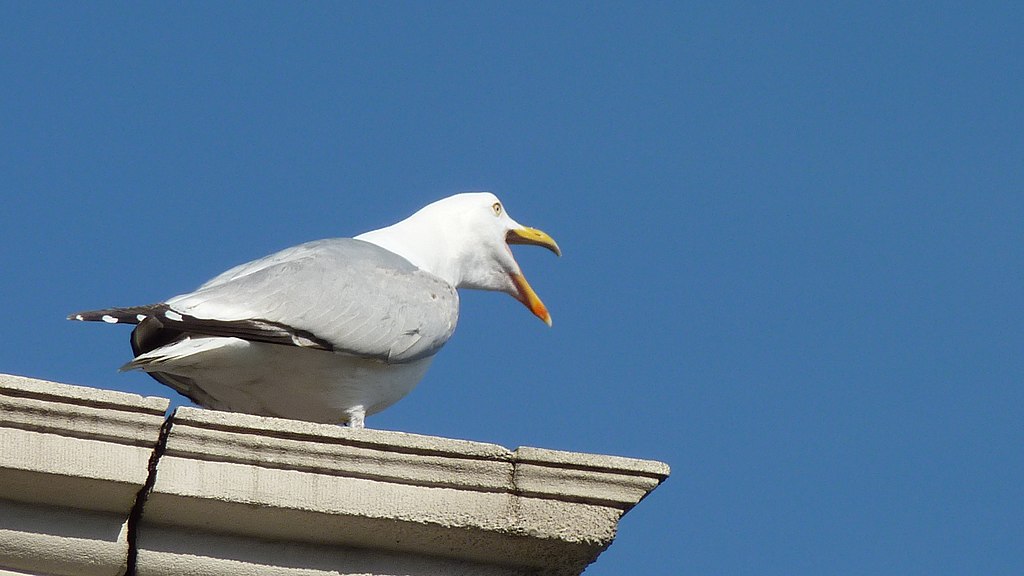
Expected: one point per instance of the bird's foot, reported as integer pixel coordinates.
(356, 417)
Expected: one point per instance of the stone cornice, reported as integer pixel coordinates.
(235, 493)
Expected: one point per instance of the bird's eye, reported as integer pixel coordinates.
(497, 208)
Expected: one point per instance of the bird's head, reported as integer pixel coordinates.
(465, 239)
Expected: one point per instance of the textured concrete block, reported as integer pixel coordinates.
(99, 483)
(475, 506)
(72, 460)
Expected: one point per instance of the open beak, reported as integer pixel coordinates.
(525, 293)
(534, 237)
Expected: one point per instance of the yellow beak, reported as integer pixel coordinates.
(529, 298)
(526, 295)
(534, 237)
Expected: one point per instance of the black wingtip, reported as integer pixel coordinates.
(132, 315)
(88, 316)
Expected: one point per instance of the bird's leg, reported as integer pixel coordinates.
(356, 417)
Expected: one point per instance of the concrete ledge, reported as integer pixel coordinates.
(72, 461)
(241, 494)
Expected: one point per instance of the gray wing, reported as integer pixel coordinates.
(341, 294)
(288, 254)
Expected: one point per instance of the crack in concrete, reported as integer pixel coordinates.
(135, 516)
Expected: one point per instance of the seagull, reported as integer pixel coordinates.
(332, 330)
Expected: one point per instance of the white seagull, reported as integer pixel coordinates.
(332, 330)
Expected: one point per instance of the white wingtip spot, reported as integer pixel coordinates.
(172, 315)
(140, 317)
(109, 319)
(79, 317)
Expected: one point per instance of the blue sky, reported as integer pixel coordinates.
(792, 237)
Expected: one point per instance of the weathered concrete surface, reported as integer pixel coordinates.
(241, 494)
(72, 460)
